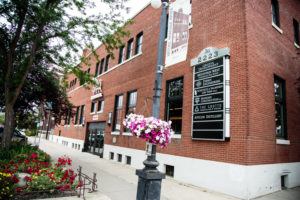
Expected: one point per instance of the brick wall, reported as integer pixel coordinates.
(244, 27)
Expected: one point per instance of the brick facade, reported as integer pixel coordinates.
(258, 52)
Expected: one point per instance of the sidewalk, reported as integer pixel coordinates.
(119, 182)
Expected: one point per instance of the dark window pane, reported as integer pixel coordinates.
(296, 31)
(174, 102)
(97, 69)
(118, 113)
(129, 49)
(121, 54)
(102, 66)
(77, 114)
(139, 43)
(280, 110)
(275, 12)
(107, 62)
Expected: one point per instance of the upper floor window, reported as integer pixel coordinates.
(131, 102)
(296, 31)
(77, 114)
(97, 69)
(107, 63)
(121, 54)
(129, 48)
(280, 108)
(139, 43)
(81, 121)
(100, 105)
(88, 71)
(102, 66)
(93, 107)
(174, 101)
(275, 12)
(118, 113)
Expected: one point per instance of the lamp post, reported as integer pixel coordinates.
(149, 183)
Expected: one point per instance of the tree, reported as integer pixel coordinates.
(34, 33)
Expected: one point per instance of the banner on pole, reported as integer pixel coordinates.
(178, 32)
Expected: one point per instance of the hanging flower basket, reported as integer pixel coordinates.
(153, 130)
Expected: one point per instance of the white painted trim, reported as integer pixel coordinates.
(127, 134)
(227, 97)
(296, 45)
(284, 142)
(92, 113)
(176, 136)
(96, 96)
(277, 28)
(242, 181)
(115, 133)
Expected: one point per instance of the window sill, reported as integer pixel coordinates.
(92, 113)
(282, 141)
(100, 112)
(115, 133)
(277, 28)
(296, 45)
(127, 134)
(176, 136)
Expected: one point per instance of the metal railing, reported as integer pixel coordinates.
(84, 181)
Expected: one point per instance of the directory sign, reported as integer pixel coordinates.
(208, 120)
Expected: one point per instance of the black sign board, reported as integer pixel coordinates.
(208, 102)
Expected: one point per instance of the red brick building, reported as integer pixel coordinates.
(261, 152)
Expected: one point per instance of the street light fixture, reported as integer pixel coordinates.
(149, 183)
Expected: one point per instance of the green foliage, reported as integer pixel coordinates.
(34, 34)
(2, 119)
(18, 148)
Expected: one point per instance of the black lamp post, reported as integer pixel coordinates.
(149, 184)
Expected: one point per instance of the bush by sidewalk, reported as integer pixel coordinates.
(44, 177)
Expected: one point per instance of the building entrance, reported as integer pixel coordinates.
(94, 140)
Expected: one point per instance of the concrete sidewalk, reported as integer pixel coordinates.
(118, 181)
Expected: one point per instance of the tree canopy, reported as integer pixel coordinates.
(36, 33)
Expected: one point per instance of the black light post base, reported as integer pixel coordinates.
(149, 184)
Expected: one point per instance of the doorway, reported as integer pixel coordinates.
(94, 140)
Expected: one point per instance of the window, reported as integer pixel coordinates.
(129, 48)
(139, 43)
(131, 102)
(100, 106)
(170, 170)
(111, 155)
(88, 71)
(275, 12)
(93, 107)
(174, 99)
(119, 157)
(121, 54)
(167, 26)
(97, 69)
(296, 31)
(128, 160)
(280, 109)
(67, 119)
(82, 115)
(107, 62)
(101, 66)
(118, 113)
(77, 115)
